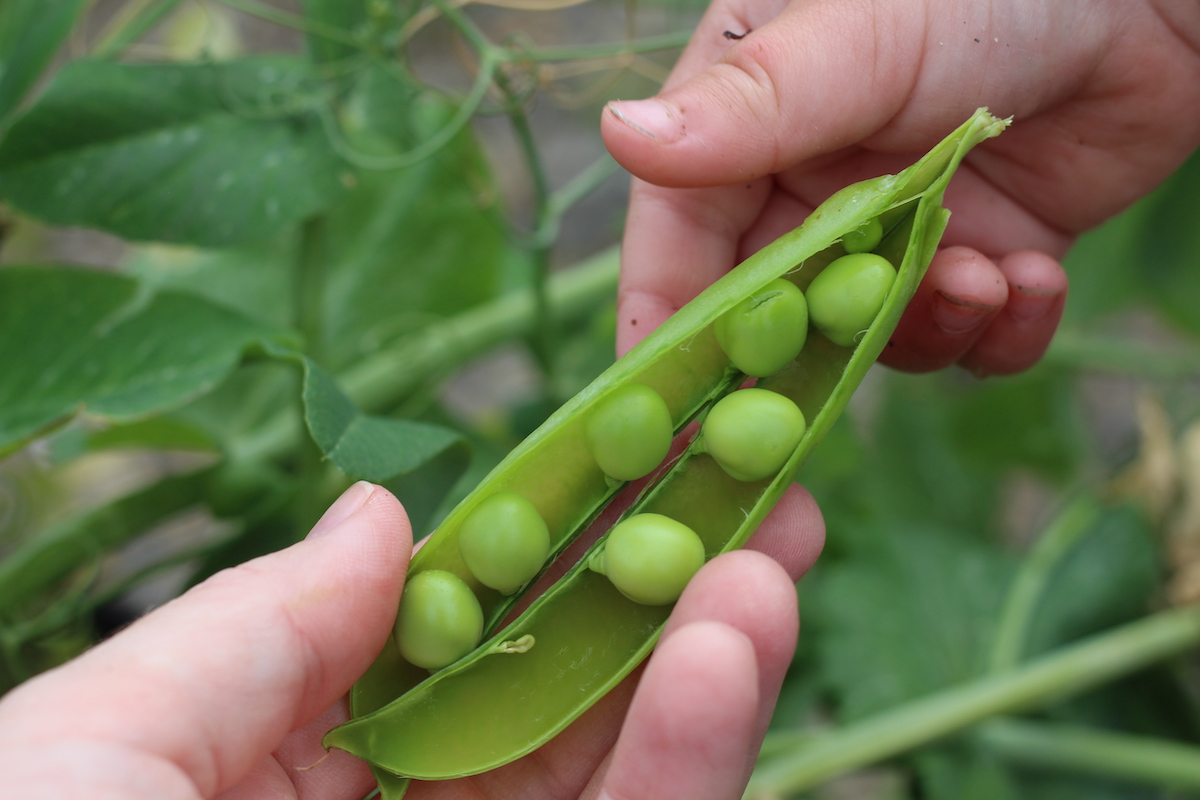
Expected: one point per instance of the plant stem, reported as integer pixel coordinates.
(581, 52)
(1063, 672)
(1076, 349)
(41, 561)
(1074, 748)
(294, 21)
(131, 25)
(388, 375)
(1059, 537)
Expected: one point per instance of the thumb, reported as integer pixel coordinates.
(817, 78)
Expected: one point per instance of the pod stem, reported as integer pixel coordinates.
(1061, 673)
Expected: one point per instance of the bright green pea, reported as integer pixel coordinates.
(504, 541)
(650, 558)
(845, 297)
(752, 432)
(629, 432)
(439, 620)
(865, 237)
(763, 333)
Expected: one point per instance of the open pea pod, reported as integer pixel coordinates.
(495, 705)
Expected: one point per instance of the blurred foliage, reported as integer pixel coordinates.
(302, 230)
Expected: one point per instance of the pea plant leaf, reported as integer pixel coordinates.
(921, 600)
(31, 31)
(393, 260)
(365, 447)
(349, 16)
(73, 339)
(209, 154)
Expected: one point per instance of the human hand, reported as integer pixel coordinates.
(749, 135)
(227, 691)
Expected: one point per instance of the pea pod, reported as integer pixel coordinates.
(534, 675)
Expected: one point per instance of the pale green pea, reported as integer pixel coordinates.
(865, 237)
(752, 432)
(765, 332)
(650, 558)
(629, 432)
(845, 297)
(504, 541)
(439, 620)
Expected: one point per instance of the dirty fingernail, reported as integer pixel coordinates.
(1029, 303)
(954, 315)
(343, 508)
(651, 118)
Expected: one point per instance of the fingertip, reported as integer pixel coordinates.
(1020, 334)
(961, 293)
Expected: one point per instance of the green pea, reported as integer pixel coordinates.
(844, 299)
(504, 541)
(650, 558)
(865, 237)
(752, 432)
(766, 331)
(629, 432)
(439, 620)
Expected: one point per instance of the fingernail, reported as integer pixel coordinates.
(343, 508)
(1029, 303)
(954, 315)
(650, 118)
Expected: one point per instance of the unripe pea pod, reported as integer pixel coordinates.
(650, 558)
(504, 541)
(752, 432)
(439, 620)
(629, 432)
(766, 331)
(576, 640)
(844, 299)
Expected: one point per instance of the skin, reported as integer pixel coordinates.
(226, 691)
(749, 135)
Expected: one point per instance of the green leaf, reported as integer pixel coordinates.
(1031, 422)
(911, 612)
(363, 446)
(73, 339)
(255, 279)
(347, 15)
(31, 32)
(407, 246)
(207, 154)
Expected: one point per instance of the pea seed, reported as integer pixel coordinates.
(439, 620)
(504, 541)
(752, 432)
(763, 333)
(865, 237)
(629, 432)
(844, 299)
(650, 558)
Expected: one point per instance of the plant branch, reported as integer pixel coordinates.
(39, 562)
(1074, 748)
(384, 378)
(294, 21)
(1055, 542)
(130, 24)
(1066, 671)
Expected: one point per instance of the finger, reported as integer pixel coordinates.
(689, 728)
(815, 79)
(677, 243)
(214, 680)
(961, 293)
(793, 534)
(706, 695)
(1020, 334)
